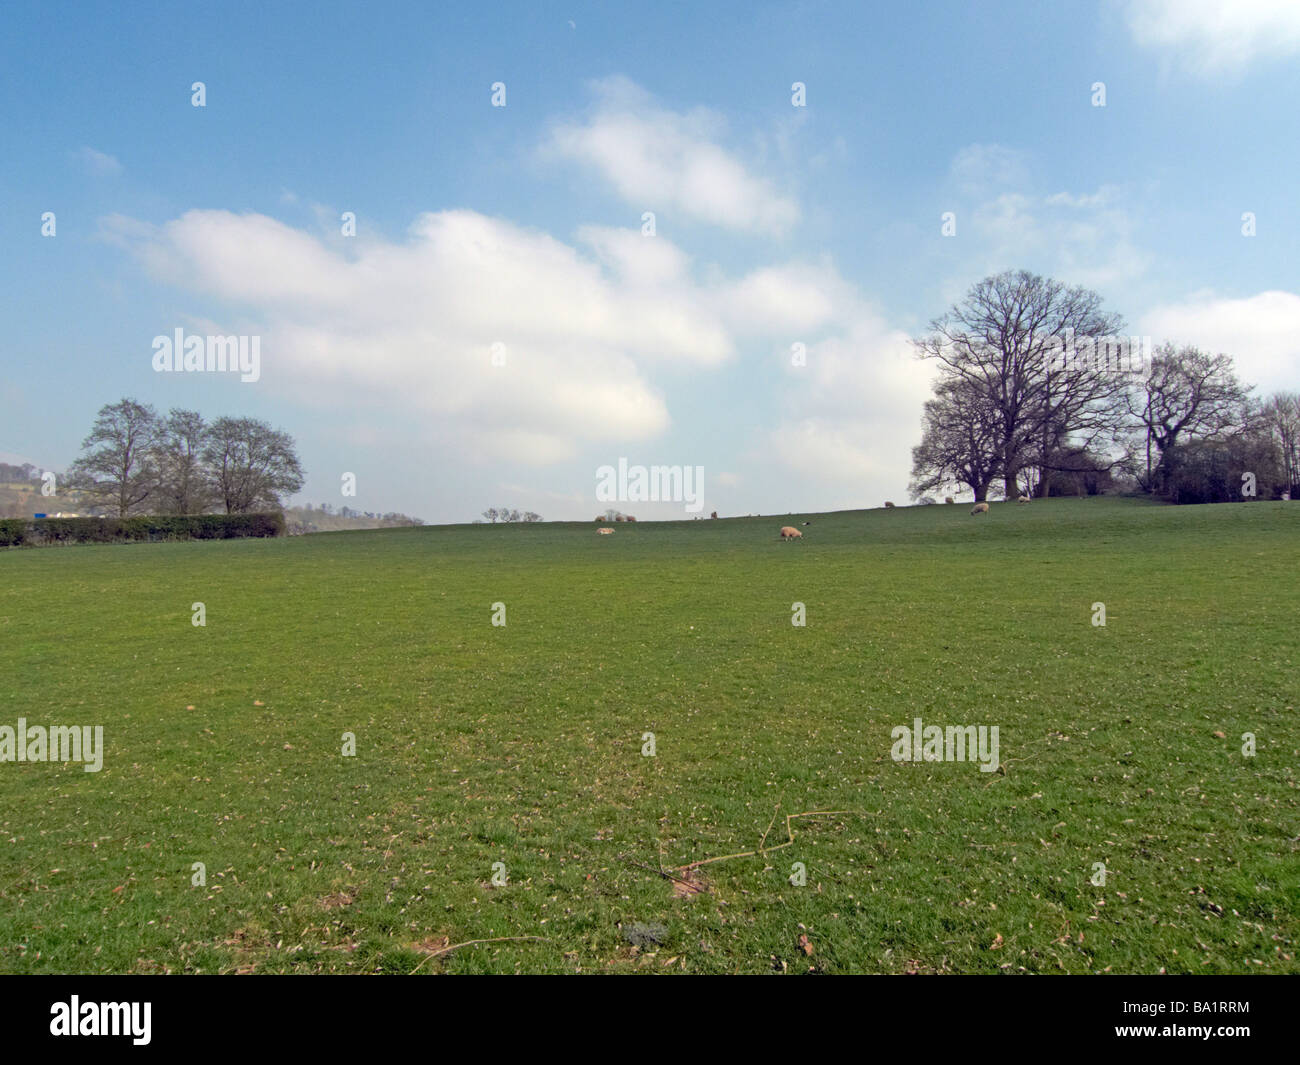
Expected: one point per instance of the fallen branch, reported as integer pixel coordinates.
(789, 829)
(471, 942)
(661, 872)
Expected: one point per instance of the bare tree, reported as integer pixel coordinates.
(1281, 415)
(959, 442)
(184, 485)
(119, 473)
(251, 465)
(1185, 394)
(1005, 339)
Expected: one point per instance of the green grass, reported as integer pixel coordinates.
(478, 744)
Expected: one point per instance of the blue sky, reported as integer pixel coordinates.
(522, 225)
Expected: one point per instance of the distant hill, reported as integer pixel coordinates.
(302, 520)
(19, 499)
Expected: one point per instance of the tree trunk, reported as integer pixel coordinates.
(1150, 486)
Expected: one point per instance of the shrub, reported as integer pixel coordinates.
(13, 531)
(148, 529)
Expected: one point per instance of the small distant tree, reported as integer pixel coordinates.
(1186, 395)
(960, 440)
(1281, 416)
(1210, 471)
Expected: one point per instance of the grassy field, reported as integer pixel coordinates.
(522, 745)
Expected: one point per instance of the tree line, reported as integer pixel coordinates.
(24, 474)
(1038, 394)
(135, 461)
(506, 514)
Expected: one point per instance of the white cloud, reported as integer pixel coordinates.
(1003, 222)
(660, 160)
(981, 167)
(851, 418)
(1260, 332)
(1081, 240)
(786, 299)
(100, 164)
(1217, 36)
(410, 326)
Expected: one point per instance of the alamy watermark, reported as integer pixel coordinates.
(1108, 354)
(652, 484)
(956, 743)
(58, 743)
(78, 1018)
(213, 354)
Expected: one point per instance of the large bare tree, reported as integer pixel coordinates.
(1008, 339)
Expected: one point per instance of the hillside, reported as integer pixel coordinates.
(515, 751)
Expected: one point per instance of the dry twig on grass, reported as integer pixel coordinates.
(471, 942)
(789, 829)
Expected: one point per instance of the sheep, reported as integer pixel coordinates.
(949, 499)
(1022, 501)
(889, 505)
(605, 532)
(789, 532)
(980, 508)
(629, 518)
(714, 514)
(600, 517)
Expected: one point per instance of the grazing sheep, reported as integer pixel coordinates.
(949, 499)
(789, 532)
(600, 517)
(604, 532)
(807, 523)
(1022, 501)
(980, 508)
(630, 518)
(889, 505)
